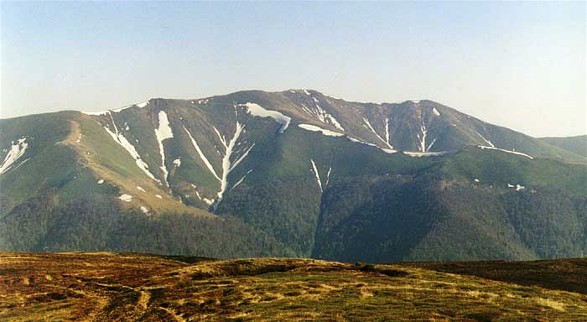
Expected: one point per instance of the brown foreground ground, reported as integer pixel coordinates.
(127, 287)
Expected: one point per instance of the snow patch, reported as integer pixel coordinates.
(141, 189)
(23, 162)
(163, 132)
(322, 115)
(517, 187)
(97, 113)
(506, 151)
(476, 180)
(422, 137)
(334, 97)
(17, 150)
(241, 180)
(201, 154)
(486, 140)
(120, 109)
(125, 197)
(101, 181)
(104, 113)
(328, 176)
(389, 151)
(258, 110)
(159, 196)
(431, 144)
(316, 174)
(227, 165)
(387, 136)
(366, 121)
(122, 141)
(177, 162)
(352, 139)
(314, 128)
(144, 209)
(425, 154)
(435, 111)
(209, 202)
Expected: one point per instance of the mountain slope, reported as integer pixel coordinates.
(574, 144)
(294, 173)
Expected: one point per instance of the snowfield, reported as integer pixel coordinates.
(314, 128)
(258, 110)
(506, 151)
(163, 132)
(16, 151)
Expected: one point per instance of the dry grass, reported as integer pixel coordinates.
(107, 287)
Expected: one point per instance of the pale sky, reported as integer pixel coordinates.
(517, 64)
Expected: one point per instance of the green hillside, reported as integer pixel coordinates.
(574, 144)
(294, 173)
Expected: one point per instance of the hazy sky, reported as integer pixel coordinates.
(516, 64)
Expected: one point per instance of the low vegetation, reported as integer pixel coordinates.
(109, 287)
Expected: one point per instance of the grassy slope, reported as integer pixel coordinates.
(53, 164)
(567, 274)
(110, 162)
(281, 196)
(574, 144)
(499, 168)
(106, 286)
(439, 212)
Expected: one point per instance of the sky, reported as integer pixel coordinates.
(517, 64)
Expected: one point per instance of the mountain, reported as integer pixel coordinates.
(293, 173)
(574, 144)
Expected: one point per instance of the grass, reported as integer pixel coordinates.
(107, 286)
(568, 274)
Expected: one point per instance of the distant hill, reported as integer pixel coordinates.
(574, 144)
(293, 173)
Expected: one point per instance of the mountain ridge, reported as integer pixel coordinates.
(275, 166)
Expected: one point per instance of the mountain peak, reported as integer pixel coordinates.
(421, 127)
